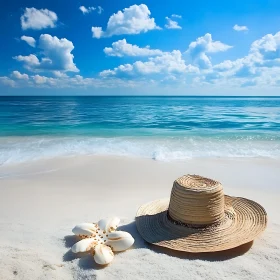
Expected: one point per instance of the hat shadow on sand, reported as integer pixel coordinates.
(211, 256)
(86, 260)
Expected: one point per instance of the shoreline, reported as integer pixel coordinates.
(42, 201)
(16, 150)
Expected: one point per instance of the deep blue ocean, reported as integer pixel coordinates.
(161, 128)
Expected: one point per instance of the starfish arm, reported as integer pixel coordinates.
(103, 254)
(84, 229)
(109, 224)
(84, 245)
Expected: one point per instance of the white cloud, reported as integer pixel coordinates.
(100, 10)
(6, 81)
(38, 19)
(164, 63)
(237, 27)
(172, 24)
(60, 74)
(245, 73)
(176, 16)
(122, 48)
(29, 40)
(268, 46)
(29, 60)
(167, 63)
(64, 81)
(261, 67)
(19, 76)
(85, 10)
(264, 54)
(56, 55)
(97, 32)
(224, 66)
(197, 50)
(132, 20)
(40, 79)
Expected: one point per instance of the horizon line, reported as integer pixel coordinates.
(191, 96)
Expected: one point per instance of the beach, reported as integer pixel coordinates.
(141, 136)
(41, 201)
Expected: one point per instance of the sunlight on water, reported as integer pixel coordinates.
(162, 128)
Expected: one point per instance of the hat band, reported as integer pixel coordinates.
(195, 226)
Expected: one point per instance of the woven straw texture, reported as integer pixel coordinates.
(198, 217)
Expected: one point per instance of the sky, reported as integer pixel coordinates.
(124, 47)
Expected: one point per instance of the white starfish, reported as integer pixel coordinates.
(102, 239)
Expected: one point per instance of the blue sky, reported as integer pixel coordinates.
(102, 47)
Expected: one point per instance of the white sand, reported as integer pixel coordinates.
(41, 202)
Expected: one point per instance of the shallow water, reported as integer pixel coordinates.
(162, 128)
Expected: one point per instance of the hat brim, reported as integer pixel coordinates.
(248, 221)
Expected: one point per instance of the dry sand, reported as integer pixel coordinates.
(41, 202)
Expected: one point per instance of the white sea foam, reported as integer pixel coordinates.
(16, 150)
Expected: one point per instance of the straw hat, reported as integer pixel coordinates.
(198, 217)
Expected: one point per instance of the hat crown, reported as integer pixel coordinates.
(196, 200)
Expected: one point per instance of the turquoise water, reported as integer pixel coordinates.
(162, 128)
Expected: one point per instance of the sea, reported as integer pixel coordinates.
(158, 128)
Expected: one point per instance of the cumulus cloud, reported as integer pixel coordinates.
(64, 81)
(198, 50)
(237, 27)
(29, 40)
(19, 76)
(97, 32)
(263, 53)
(56, 55)
(167, 63)
(261, 67)
(60, 74)
(238, 71)
(39, 79)
(6, 81)
(133, 20)
(268, 46)
(122, 48)
(245, 74)
(172, 24)
(38, 19)
(29, 60)
(224, 66)
(85, 10)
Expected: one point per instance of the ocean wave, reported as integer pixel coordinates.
(23, 149)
